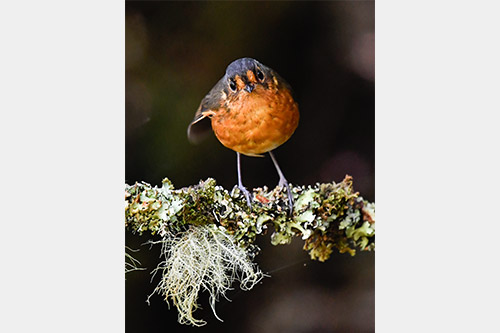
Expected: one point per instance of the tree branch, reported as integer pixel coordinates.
(208, 233)
(325, 215)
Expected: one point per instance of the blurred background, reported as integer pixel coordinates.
(175, 53)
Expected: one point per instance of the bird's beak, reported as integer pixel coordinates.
(249, 87)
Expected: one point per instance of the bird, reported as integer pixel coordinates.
(252, 111)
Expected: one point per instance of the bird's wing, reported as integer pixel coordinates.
(200, 127)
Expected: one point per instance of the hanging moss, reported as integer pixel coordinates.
(325, 216)
(208, 233)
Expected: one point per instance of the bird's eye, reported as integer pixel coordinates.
(232, 85)
(260, 75)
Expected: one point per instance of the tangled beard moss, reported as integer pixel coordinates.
(131, 264)
(203, 257)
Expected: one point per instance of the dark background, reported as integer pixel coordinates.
(175, 53)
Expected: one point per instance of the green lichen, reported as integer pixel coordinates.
(325, 216)
(208, 233)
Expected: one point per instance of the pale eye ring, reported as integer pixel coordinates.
(259, 74)
(232, 85)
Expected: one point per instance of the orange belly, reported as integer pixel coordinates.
(257, 122)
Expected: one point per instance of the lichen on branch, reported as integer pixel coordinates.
(208, 233)
(325, 216)
(202, 257)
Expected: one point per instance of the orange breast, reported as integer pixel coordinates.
(257, 122)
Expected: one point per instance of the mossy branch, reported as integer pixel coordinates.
(326, 216)
(208, 233)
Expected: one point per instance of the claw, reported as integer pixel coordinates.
(283, 183)
(240, 184)
(246, 193)
(247, 196)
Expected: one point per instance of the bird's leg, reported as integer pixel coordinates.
(283, 182)
(240, 184)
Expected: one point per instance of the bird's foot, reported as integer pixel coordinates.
(246, 193)
(284, 183)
